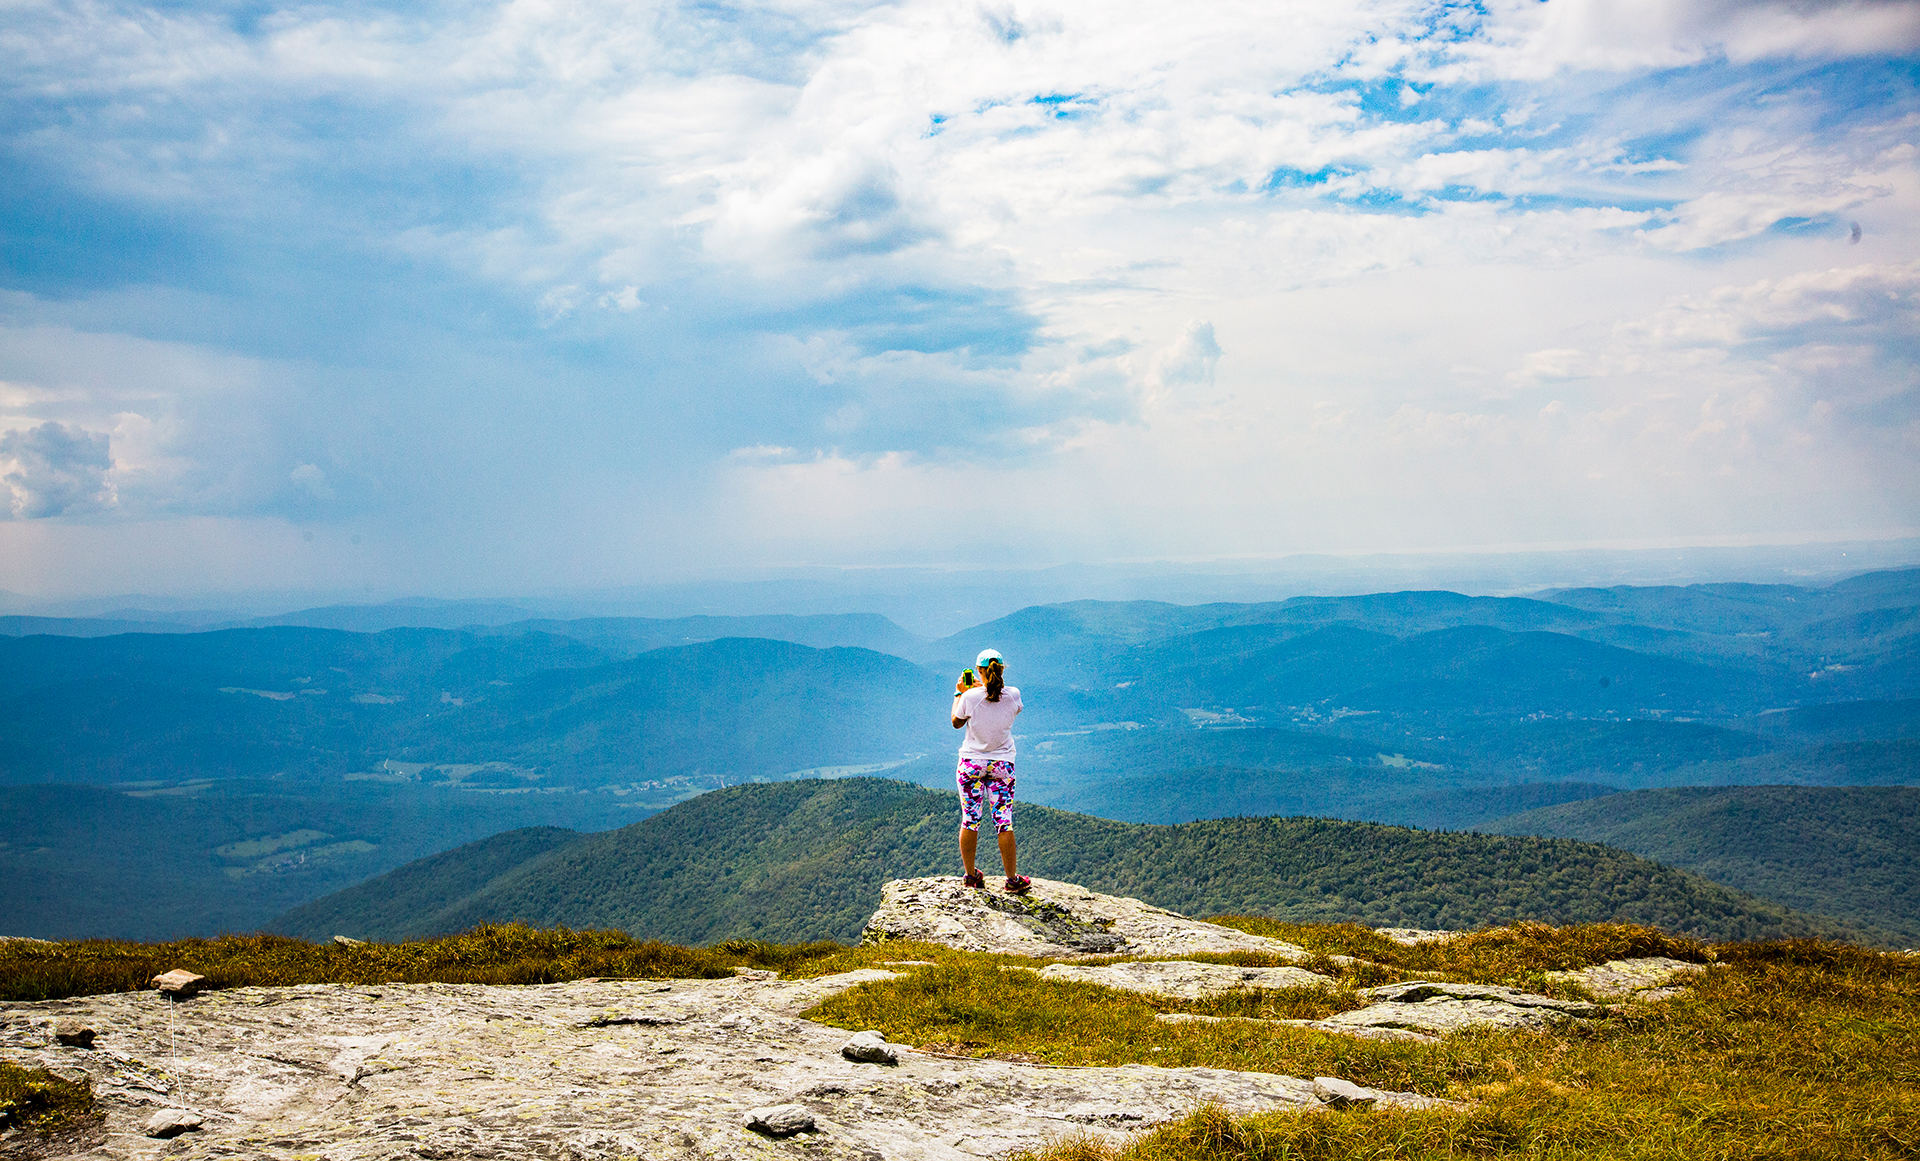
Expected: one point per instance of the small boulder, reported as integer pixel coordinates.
(172, 1122)
(1342, 1093)
(349, 941)
(179, 982)
(73, 1032)
(870, 1047)
(780, 1120)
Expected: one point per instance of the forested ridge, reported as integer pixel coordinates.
(805, 860)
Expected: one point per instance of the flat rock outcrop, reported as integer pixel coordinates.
(1184, 978)
(1653, 977)
(1428, 1008)
(1055, 921)
(1414, 936)
(574, 1072)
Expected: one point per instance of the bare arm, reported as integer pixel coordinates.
(960, 723)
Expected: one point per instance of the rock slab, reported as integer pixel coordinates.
(1054, 921)
(1649, 978)
(518, 1073)
(1430, 1008)
(1184, 978)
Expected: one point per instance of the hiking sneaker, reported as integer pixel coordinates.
(1018, 884)
(975, 879)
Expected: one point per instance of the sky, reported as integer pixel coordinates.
(471, 298)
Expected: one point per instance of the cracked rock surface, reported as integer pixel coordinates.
(1055, 920)
(1650, 978)
(572, 1072)
(1184, 978)
(1434, 1009)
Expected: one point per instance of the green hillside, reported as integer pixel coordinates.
(805, 860)
(424, 888)
(1852, 852)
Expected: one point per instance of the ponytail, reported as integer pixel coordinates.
(996, 679)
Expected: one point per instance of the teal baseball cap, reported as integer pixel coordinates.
(987, 655)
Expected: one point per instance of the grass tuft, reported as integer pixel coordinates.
(38, 1101)
(1494, 954)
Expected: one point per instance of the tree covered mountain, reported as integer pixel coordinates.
(805, 860)
(1851, 852)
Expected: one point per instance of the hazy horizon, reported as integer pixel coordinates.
(932, 601)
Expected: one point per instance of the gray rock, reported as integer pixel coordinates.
(1438, 1008)
(1338, 1093)
(780, 1120)
(1184, 978)
(1413, 936)
(469, 1070)
(73, 1032)
(1054, 921)
(870, 1047)
(1417, 991)
(1360, 1032)
(179, 982)
(349, 941)
(1649, 978)
(173, 1122)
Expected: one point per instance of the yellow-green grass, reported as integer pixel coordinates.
(492, 954)
(1520, 954)
(1791, 1049)
(35, 1099)
(489, 954)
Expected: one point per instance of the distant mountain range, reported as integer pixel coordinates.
(797, 861)
(1430, 709)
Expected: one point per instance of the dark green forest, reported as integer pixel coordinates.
(1849, 852)
(790, 862)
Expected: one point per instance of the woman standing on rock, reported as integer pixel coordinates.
(986, 712)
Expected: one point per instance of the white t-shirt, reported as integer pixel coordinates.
(989, 723)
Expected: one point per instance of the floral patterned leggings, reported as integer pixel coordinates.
(980, 781)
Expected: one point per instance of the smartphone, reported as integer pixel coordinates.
(966, 678)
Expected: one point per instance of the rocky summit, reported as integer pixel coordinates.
(586, 1071)
(725, 1069)
(1053, 921)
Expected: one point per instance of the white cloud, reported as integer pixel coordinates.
(312, 481)
(519, 259)
(55, 469)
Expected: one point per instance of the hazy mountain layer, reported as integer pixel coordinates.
(80, 862)
(805, 860)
